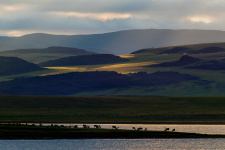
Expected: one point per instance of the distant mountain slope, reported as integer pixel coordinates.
(40, 55)
(121, 42)
(71, 83)
(13, 65)
(84, 60)
(184, 60)
(186, 49)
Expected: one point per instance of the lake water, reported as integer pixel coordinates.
(112, 144)
(128, 144)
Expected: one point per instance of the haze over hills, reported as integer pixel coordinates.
(121, 42)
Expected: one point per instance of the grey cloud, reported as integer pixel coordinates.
(145, 14)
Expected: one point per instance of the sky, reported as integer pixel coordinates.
(71, 17)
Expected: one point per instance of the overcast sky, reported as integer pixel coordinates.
(19, 17)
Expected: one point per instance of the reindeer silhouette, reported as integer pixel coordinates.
(97, 126)
(133, 128)
(139, 129)
(173, 130)
(114, 127)
(167, 129)
(85, 126)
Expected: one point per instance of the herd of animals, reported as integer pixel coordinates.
(95, 126)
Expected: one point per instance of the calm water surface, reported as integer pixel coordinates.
(118, 144)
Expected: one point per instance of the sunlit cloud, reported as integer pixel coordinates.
(199, 19)
(19, 17)
(97, 16)
(11, 8)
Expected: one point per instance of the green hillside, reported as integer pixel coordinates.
(46, 54)
(205, 62)
(13, 66)
(84, 60)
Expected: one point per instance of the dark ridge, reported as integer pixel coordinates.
(84, 60)
(53, 49)
(71, 83)
(141, 51)
(209, 65)
(188, 49)
(184, 60)
(13, 65)
(207, 50)
(175, 50)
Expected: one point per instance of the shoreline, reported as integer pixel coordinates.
(122, 122)
(29, 132)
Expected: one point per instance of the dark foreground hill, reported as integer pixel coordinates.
(45, 54)
(122, 42)
(209, 65)
(184, 60)
(72, 83)
(13, 65)
(84, 60)
(186, 50)
(189, 62)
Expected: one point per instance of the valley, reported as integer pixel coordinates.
(204, 62)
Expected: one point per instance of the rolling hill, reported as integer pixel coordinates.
(13, 65)
(76, 82)
(45, 54)
(202, 48)
(84, 60)
(184, 60)
(121, 42)
(164, 71)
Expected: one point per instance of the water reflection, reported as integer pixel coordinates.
(119, 144)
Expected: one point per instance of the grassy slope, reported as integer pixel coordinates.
(137, 63)
(46, 54)
(110, 109)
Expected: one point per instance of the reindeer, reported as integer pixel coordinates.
(173, 130)
(85, 126)
(139, 129)
(97, 126)
(167, 129)
(114, 127)
(146, 129)
(133, 128)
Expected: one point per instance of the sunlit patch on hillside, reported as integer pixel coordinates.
(127, 56)
(121, 68)
(125, 68)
